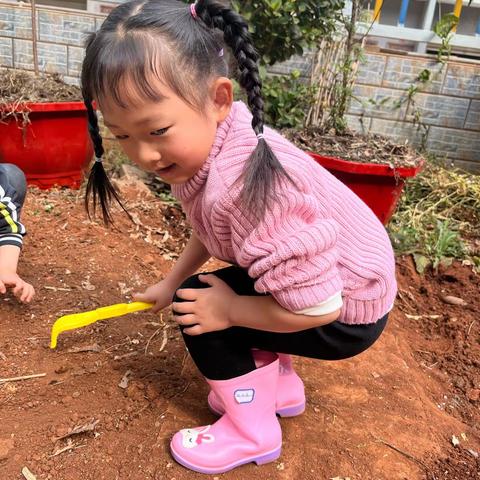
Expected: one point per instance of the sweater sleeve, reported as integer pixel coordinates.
(11, 229)
(291, 253)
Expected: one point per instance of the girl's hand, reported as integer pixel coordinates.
(206, 309)
(161, 294)
(21, 289)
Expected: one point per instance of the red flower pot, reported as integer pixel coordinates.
(53, 149)
(379, 186)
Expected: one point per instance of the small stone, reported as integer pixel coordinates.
(149, 259)
(135, 392)
(473, 394)
(6, 447)
(75, 394)
(473, 453)
(151, 392)
(450, 299)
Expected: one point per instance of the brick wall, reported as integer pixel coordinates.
(60, 35)
(449, 104)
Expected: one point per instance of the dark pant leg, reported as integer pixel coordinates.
(221, 354)
(227, 353)
(16, 180)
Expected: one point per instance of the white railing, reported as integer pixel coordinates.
(424, 36)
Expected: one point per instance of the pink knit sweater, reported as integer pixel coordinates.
(319, 240)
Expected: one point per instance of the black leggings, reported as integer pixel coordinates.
(227, 353)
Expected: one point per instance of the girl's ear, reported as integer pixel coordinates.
(222, 97)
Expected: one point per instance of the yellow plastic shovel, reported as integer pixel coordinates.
(79, 320)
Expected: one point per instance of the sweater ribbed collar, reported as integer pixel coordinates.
(188, 190)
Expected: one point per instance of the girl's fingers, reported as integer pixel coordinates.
(183, 307)
(187, 293)
(31, 293)
(195, 330)
(211, 280)
(25, 293)
(3, 289)
(186, 320)
(139, 297)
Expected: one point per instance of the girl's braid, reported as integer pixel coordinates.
(94, 130)
(237, 37)
(99, 187)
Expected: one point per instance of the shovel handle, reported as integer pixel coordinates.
(78, 320)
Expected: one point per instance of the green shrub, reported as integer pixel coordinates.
(287, 100)
(282, 28)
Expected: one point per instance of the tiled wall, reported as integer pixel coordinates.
(60, 35)
(449, 104)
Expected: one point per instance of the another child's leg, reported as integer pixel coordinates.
(16, 181)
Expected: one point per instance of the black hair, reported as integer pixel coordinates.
(145, 39)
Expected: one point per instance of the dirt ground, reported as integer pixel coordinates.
(392, 413)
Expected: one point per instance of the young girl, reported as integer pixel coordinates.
(13, 188)
(312, 272)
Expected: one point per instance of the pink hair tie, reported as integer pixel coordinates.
(193, 11)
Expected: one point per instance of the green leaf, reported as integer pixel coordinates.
(445, 25)
(421, 263)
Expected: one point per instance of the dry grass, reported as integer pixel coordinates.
(355, 147)
(439, 215)
(18, 87)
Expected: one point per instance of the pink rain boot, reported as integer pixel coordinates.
(290, 392)
(248, 431)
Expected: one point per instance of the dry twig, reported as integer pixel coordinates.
(28, 474)
(470, 327)
(88, 427)
(87, 348)
(69, 446)
(25, 377)
(410, 457)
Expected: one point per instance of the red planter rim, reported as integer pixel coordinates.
(333, 163)
(47, 107)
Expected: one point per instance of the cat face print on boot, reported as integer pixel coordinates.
(192, 437)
